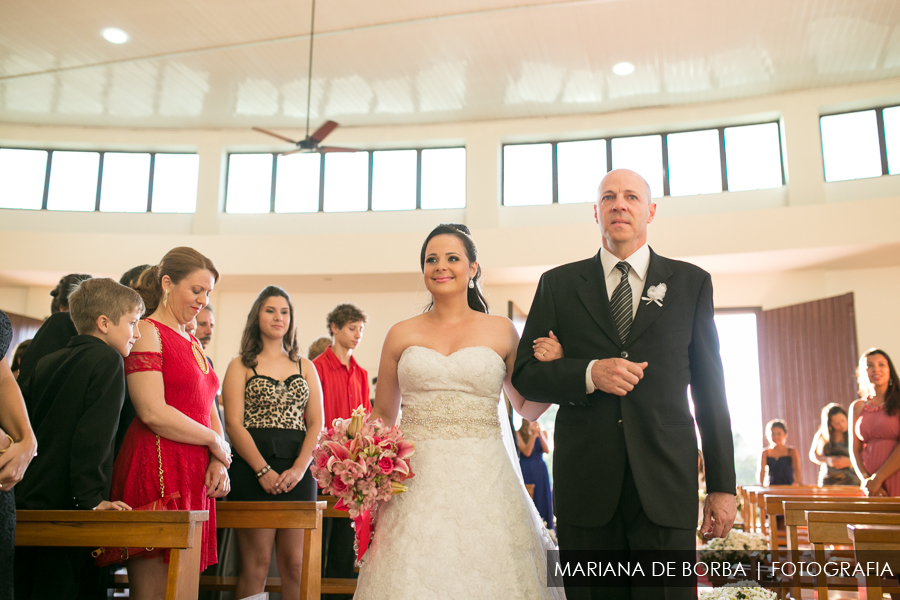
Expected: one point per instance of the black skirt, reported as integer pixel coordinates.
(279, 448)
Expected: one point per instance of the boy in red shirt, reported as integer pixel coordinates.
(345, 385)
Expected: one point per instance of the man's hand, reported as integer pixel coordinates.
(617, 375)
(719, 509)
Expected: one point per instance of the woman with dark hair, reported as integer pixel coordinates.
(56, 331)
(875, 419)
(831, 448)
(533, 444)
(467, 522)
(176, 441)
(273, 414)
(16, 363)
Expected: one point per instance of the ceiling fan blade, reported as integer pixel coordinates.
(280, 137)
(322, 132)
(292, 152)
(337, 149)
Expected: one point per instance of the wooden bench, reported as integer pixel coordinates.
(773, 504)
(831, 528)
(179, 531)
(276, 515)
(332, 584)
(756, 498)
(879, 542)
(794, 509)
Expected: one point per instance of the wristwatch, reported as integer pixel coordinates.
(263, 471)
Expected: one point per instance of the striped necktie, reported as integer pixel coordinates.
(621, 303)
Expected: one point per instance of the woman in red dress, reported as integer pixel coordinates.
(173, 390)
(876, 426)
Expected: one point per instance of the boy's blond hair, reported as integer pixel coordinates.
(93, 298)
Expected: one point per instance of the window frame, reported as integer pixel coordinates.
(664, 155)
(371, 160)
(100, 164)
(882, 140)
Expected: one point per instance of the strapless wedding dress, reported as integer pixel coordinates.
(466, 529)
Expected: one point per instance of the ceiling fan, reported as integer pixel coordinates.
(311, 143)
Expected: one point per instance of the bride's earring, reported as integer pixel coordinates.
(471, 284)
(166, 300)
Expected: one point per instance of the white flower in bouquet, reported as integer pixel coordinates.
(735, 547)
(742, 590)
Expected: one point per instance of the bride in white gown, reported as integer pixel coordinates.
(466, 529)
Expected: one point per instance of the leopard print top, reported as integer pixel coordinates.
(273, 404)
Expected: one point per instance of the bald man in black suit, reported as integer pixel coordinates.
(636, 329)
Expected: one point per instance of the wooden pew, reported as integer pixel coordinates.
(276, 515)
(831, 528)
(773, 505)
(335, 585)
(879, 542)
(756, 496)
(794, 509)
(177, 530)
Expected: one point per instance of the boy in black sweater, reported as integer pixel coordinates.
(74, 397)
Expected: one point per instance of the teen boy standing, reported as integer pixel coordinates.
(345, 386)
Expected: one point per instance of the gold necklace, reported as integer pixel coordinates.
(200, 357)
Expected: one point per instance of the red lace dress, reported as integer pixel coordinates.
(188, 388)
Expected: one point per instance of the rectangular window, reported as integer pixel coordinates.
(850, 146)
(580, 167)
(73, 181)
(175, 183)
(444, 178)
(297, 183)
(892, 138)
(753, 157)
(394, 179)
(249, 187)
(527, 174)
(22, 174)
(125, 182)
(642, 155)
(695, 165)
(346, 181)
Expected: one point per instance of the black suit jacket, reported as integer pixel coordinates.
(74, 398)
(651, 427)
(52, 335)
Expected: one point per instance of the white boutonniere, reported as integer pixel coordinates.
(655, 293)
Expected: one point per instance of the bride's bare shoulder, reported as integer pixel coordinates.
(402, 333)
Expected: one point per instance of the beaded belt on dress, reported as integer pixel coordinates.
(449, 416)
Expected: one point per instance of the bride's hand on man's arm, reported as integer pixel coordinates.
(547, 349)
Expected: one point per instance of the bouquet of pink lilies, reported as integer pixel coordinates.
(363, 464)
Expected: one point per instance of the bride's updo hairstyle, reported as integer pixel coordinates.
(178, 263)
(474, 295)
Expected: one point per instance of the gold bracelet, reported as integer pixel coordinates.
(11, 442)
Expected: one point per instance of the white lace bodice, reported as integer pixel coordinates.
(450, 397)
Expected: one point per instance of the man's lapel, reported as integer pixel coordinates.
(658, 272)
(593, 293)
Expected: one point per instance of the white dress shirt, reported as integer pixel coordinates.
(639, 261)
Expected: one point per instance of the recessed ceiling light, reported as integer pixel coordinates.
(623, 68)
(114, 35)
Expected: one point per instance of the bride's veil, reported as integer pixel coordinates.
(508, 442)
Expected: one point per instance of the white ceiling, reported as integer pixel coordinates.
(235, 64)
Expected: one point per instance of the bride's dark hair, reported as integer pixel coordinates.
(475, 297)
